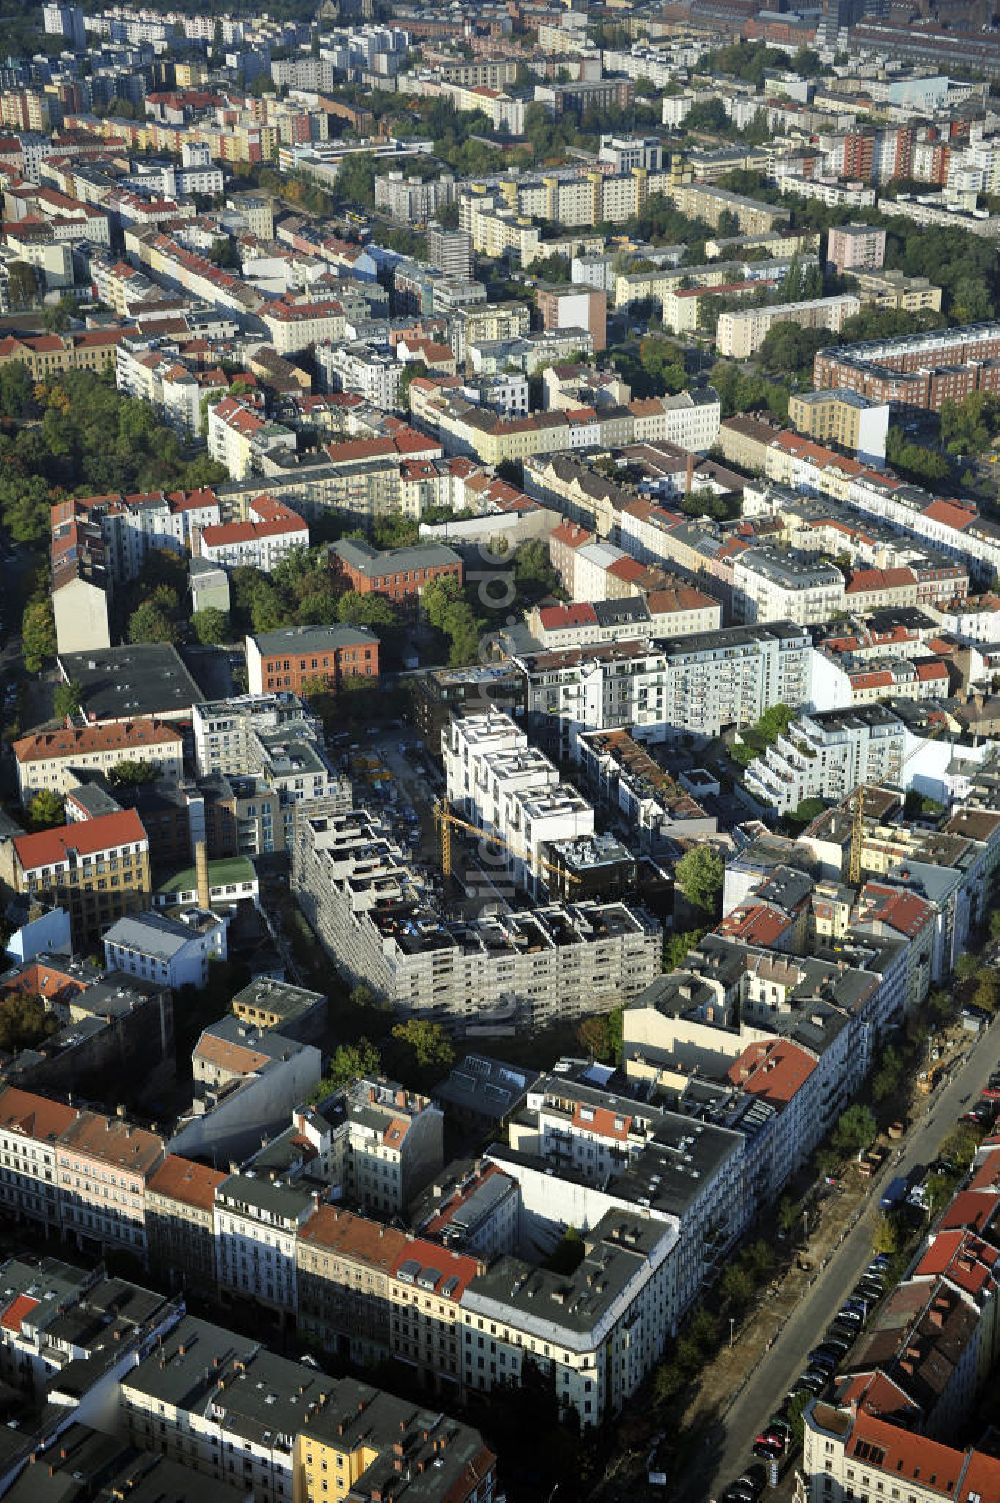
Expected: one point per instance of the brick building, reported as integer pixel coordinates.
(297, 656)
(398, 573)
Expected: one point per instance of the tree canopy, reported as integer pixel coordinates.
(699, 875)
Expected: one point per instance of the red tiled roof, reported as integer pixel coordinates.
(125, 736)
(773, 1069)
(603, 1123)
(17, 1312)
(182, 1179)
(951, 513)
(50, 847)
(559, 617)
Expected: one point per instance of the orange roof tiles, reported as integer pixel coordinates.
(182, 1179)
(86, 837)
(17, 1312)
(34, 1116)
(111, 1140)
(125, 736)
(226, 1055)
(560, 617)
(447, 1263)
(915, 1458)
(602, 1123)
(351, 1236)
(774, 1070)
(951, 513)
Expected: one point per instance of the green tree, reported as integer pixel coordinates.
(131, 773)
(66, 699)
(373, 611)
(601, 1034)
(856, 1129)
(967, 966)
(15, 390)
(38, 634)
(211, 626)
(677, 947)
(960, 1145)
(534, 576)
(737, 1287)
(700, 874)
(885, 1081)
(356, 180)
(890, 1235)
(24, 1022)
(150, 623)
(431, 1045)
(349, 1062)
(987, 993)
(46, 810)
(22, 286)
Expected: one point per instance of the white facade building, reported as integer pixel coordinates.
(175, 952)
(510, 789)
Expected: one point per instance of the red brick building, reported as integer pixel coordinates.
(398, 573)
(297, 656)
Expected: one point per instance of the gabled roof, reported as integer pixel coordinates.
(85, 837)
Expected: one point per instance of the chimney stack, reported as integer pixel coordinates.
(201, 870)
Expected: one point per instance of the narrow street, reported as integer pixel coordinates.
(726, 1449)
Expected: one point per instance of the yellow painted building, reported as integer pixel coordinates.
(371, 1445)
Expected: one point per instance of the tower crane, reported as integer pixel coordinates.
(447, 820)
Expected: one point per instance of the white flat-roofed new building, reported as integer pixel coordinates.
(665, 689)
(828, 754)
(510, 789)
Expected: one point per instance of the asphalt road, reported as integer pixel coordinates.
(727, 1450)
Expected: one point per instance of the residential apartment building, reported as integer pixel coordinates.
(240, 438)
(771, 584)
(180, 1222)
(373, 909)
(915, 370)
(843, 1451)
(368, 370)
(694, 685)
(395, 1144)
(843, 418)
(740, 334)
(511, 790)
(97, 868)
(855, 248)
(673, 611)
(30, 1128)
(256, 1225)
(575, 307)
(828, 754)
(893, 289)
(102, 1164)
(295, 657)
(355, 1440)
(223, 1406)
(51, 759)
(450, 251)
(269, 534)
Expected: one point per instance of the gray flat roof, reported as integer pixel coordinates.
(139, 679)
(313, 639)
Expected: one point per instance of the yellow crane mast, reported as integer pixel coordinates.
(447, 820)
